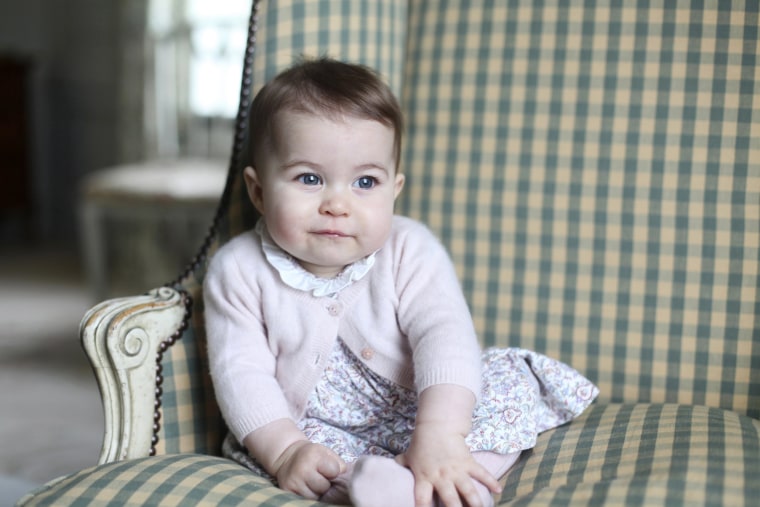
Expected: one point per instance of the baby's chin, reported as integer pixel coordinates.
(327, 271)
(323, 271)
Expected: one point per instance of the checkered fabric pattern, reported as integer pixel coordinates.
(190, 419)
(648, 454)
(594, 169)
(642, 454)
(178, 479)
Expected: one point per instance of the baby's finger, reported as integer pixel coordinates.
(468, 492)
(423, 493)
(331, 466)
(451, 496)
(316, 485)
(483, 476)
(300, 487)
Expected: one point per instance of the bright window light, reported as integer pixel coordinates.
(216, 32)
(218, 37)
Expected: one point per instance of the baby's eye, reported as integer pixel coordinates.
(365, 182)
(309, 179)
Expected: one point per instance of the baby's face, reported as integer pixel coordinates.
(327, 190)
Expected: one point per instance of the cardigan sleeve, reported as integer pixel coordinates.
(433, 312)
(241, 362)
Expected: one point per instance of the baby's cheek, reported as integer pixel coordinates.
(282, 230)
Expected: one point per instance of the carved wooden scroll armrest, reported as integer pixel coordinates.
(122, 338)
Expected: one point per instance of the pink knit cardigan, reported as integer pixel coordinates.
(268, 343)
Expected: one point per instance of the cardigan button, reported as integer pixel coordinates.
(368, 353)
(334, 309)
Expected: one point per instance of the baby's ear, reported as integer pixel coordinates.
(253, 185)
(398, 184)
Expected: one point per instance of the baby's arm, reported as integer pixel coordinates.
(299, 465)
(243, 368)
(438, 456)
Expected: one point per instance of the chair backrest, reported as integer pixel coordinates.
(594, 170)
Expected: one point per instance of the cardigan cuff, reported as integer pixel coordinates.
(450, 376)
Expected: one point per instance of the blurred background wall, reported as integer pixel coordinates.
(91, 85)
(88, 87)
(109, 83)
(68, 54)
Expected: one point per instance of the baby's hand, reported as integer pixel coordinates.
(442, 464)
(306, 469)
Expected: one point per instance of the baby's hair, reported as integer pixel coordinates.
(323, 86)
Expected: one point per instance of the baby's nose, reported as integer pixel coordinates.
(335, 202)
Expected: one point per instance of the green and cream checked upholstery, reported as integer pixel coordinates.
(647, 454)
(594, 170)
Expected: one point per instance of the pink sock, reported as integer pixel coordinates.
(379, 482)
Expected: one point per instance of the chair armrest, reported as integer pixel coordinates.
(123, 338)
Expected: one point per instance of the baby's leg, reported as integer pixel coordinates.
(379, 482)
(497, 464)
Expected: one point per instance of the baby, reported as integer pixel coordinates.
(341, 347)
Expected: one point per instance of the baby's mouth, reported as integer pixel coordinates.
(331, 233)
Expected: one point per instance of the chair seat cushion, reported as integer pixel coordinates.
(646, 454)
(174, 479)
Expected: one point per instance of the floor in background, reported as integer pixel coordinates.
(51, 420)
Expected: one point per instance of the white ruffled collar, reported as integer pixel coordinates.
(295, 276)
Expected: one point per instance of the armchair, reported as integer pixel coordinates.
(594, 170)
